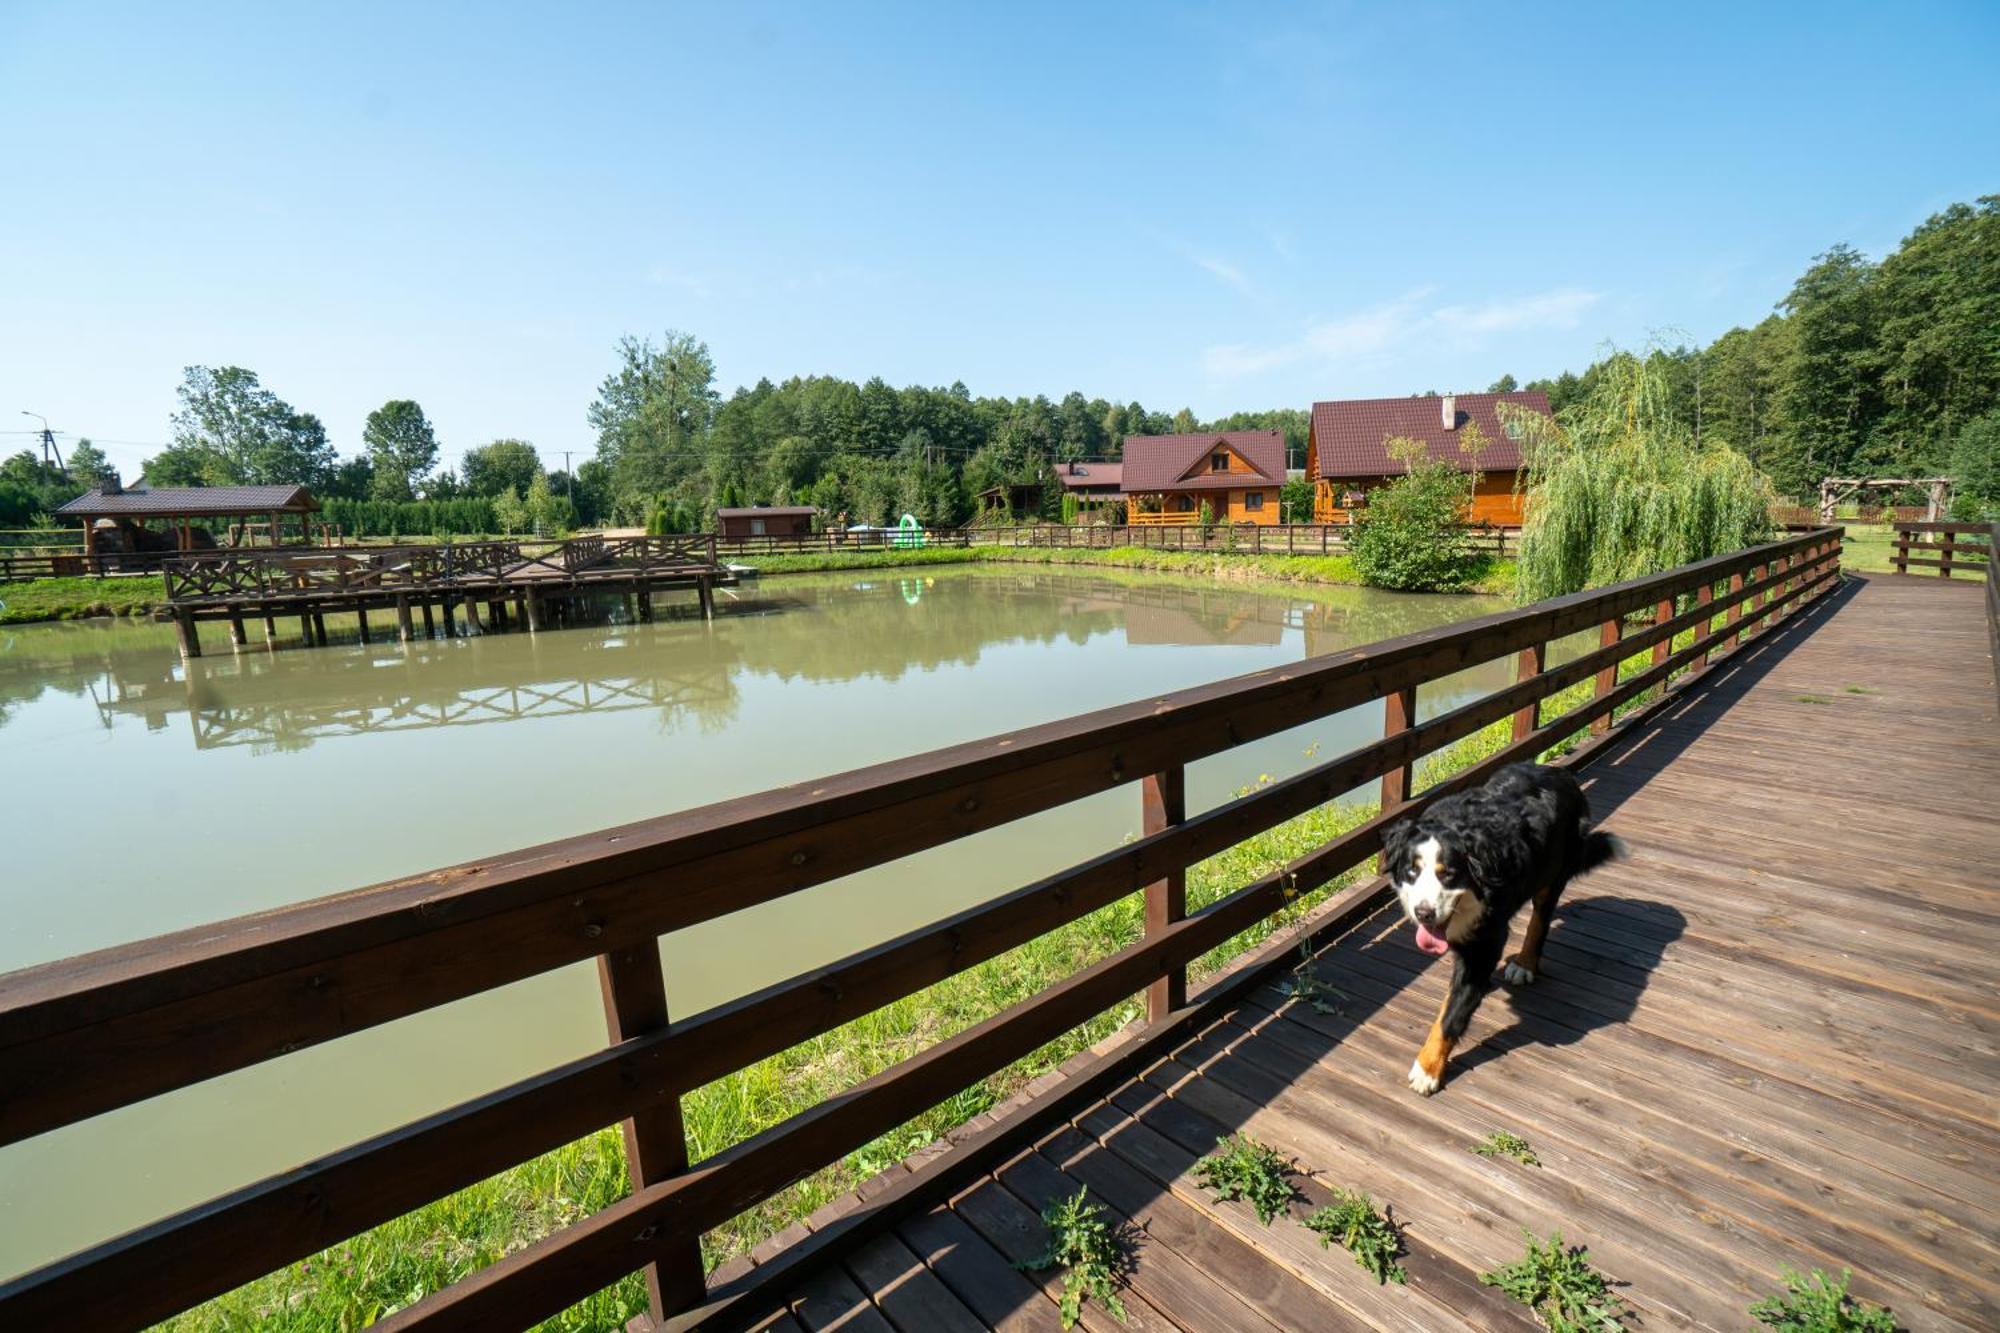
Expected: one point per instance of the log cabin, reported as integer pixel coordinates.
(1238, 472)
(1347, 449)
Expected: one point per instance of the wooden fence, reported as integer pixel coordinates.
(87, 1035)
(1221, 539)
(1973, 557)
(837, 540)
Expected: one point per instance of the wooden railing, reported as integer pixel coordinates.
(265, 575)
(65, 565)
(1161, 518)
(1973, 557)
(839, 539)
(87, 1035)
(1221, 538)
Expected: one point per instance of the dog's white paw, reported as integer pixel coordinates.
(1422, 1083)
(1516, 975)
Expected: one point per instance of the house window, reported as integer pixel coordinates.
(1218, 462)
(756, 527)
(1253, 501)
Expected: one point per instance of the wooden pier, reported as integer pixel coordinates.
(491, 586)
(1766, 1040)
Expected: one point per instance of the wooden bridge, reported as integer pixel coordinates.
(1766, 1040)
(540, 583)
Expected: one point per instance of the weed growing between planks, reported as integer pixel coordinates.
(1502, 1144)
(1243, 1168)
(1087, 1247)
(1820, 1304)
(1352, 1222)
(1560, 1286)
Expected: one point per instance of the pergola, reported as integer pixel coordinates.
(178, 506)
(1835, 489)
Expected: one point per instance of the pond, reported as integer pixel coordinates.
(143, 794)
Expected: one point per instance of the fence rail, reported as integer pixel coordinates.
(1967, 557)
(835, 539)
(93, 1033)
(1220, 539)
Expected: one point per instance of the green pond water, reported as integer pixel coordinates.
(140, 794)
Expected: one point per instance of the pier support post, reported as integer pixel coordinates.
(237, 637)
(707, 593)
(472, 625)
(270, 632)
(319, 627)
(361, 619)
(635, 1004)
(306, 627)
(496, 613)
(534, 613)
(1163, 804)
(450, 625)
(402, 619)
(430, 625)
(646, 604)
(185, 631)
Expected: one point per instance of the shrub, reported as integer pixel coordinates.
(1082, 1242)
(1242, 1168)
(1352, 1222)
(1975, 470)
(1560, 1286)
(1819, 1304)
(1411, 536)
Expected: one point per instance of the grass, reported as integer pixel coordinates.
(1561, 1287)
(1820, 1304)
(1242, 1168)
(1352, 1222)
(74, 599)
(1087, 1247)
(1502, 1144)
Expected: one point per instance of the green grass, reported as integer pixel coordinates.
(1087, 1247)
(1351, 1222)
(1820, 1304)
(1561, 1287)
(73, 599)
(1242, 1168)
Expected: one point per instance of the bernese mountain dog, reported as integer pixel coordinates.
(1466, 865)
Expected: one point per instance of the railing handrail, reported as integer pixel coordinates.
(88, 1034)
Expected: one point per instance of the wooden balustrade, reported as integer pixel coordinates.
(89, 1034)
(1973, 556)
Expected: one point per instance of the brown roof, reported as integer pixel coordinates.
(1089, 476)
(1349, 435)
(1162, 462)
(764, 511)
(191, 501)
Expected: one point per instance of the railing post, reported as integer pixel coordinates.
(1527, 666)
(1163, 804)
(1902, 560)
(1945, 553)
(1703, 596)
(1400, 714)
(635, 1004)
(1735, 609)
(1608, 635)
(1662, 613)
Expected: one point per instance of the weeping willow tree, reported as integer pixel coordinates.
(1617, 487)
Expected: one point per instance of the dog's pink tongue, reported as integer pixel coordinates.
(1430, 941)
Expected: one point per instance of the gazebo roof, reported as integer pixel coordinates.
(191, 502)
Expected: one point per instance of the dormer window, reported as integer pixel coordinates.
(1217, 462)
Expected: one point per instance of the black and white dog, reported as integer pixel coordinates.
(1466, 865)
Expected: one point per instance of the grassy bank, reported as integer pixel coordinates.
(74, 599)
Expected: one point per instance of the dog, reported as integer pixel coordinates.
(1466, 865)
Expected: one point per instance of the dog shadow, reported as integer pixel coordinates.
(1599, 957)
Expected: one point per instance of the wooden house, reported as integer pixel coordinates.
(765, 521)
(1239, 473)
(1347, 451)
(1095, 485)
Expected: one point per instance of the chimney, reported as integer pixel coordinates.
(109, 484)
(1451, 411)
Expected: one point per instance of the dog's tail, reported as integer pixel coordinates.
(1600, 847)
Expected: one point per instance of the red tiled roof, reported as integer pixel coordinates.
(1349, 434)
(1161, 462)
(1089, 476)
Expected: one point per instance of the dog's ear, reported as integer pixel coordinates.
(1396, 846)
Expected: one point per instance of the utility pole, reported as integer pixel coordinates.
(50, 454)
(569, 478)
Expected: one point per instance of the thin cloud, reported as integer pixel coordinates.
(1224, 270)
(1380, 329)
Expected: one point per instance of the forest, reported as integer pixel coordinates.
(1879, 367)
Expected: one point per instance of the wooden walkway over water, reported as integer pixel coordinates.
(1768, 1039)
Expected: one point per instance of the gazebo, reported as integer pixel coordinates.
(112, 508)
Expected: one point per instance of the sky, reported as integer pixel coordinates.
(1220, 207)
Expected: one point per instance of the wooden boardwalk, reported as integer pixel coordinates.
(1768, 1039)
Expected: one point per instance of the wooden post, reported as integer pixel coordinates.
(1526, 667)
(496, 613)
(1949, 548)
(534, 612)
(1163, 804)
(319, 628)
(185, 631)
(361, 619)
(1400, 713)
(635, 1004)
(707, 595)
(306, 627)
(450, 625)
(430, 625)
(1902, 561)
(236, 634)
(270, 633)
(1703, 597)
(1662, 613)
(472, 625)
(1607, 680)
(403, 628)
(646, 605)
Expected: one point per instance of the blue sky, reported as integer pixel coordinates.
(1222, 207)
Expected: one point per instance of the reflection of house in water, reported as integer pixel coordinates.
(289, 700)
(1238, 624)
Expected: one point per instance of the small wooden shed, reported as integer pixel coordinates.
(765, 521)
(129, 513)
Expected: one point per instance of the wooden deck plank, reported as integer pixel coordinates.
(1771, 1037)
